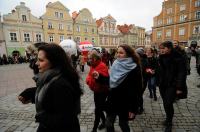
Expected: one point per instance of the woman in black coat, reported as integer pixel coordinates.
(125, 88)
(57, 97)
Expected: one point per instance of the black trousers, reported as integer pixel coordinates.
(168, 96)
(99, 101)
(123, 122)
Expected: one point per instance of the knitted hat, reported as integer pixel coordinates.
(140, 50)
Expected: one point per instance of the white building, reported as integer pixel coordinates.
(21, 29)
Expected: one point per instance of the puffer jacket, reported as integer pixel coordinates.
(102, 83)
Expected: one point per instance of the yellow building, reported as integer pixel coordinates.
(84, 26)
(179, 20)
(57, 23)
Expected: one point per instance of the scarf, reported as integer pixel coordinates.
(119, 70)
(43, 82)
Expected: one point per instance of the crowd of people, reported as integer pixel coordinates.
(117, 79)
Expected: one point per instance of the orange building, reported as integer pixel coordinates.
(179, 20)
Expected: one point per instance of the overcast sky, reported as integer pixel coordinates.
(138, 12)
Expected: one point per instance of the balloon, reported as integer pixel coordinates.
(69, 46)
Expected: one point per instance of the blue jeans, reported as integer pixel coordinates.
(152, 87)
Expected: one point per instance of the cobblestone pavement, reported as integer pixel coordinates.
(16, 117)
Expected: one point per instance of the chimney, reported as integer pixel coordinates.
(22, 3)
(13, 11)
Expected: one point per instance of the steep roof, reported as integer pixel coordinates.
(124, 28)
(99, 22)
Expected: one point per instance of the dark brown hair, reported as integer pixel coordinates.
(130, 52)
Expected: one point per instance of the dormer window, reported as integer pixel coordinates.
(23, 17)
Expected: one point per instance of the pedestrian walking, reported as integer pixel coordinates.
(143, 59)
(82, 62)
(57, 97)
(125, 88)
(151, 72)
(98, 81)
(172, 80)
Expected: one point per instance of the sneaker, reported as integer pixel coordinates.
(101, 126)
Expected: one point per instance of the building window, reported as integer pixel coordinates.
(86, 38)
(182, 7)
(61, 38)
(93, 40)
(70, 37)
(101, 41)
(196, 29)
(13, 36)
(105, 41)
(60, 26)
(61, 15)
(26, 37)
(181, 31)
(182, 18)
(169, 10)
(169, 20)
(38, 37)
(197, 14)
(159, 22)
(23, 17)
(78, 29)
(56, 14)
(51, 38)
(197, 3)
(50, 25)
(92, 30)
(159, 34)
(86, 30)
(168, 33)
(68, 28)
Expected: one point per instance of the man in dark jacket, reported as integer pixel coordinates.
(172, 79)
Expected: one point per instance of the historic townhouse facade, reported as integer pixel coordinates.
(148, 38)
(84, 27)
(107, 32)
(127, 35)
(179, 20)
(140, 35)
(2, 40)
(132, 35)
(21, 29)
(57, 23)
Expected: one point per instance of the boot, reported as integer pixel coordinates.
(101, 126)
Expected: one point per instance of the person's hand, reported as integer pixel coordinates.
(178, 92)
(23, 100)
(95, 75)
(131, 115)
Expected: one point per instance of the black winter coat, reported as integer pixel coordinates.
(125, 97)
(172, 74)
(57, 106)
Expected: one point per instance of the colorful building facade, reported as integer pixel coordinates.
(107, 32)
(179, 20)
(57, 23)
(84, 27)
(21, 29)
